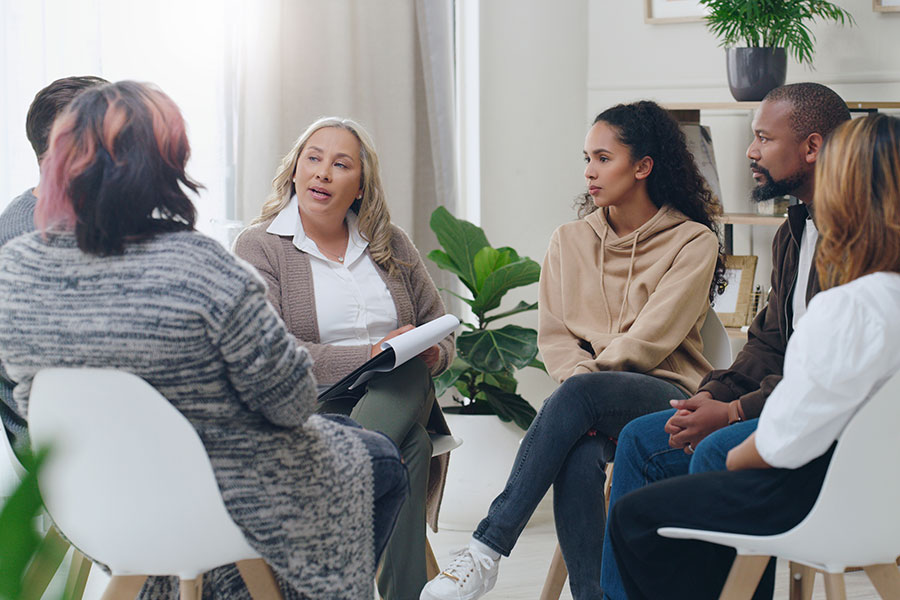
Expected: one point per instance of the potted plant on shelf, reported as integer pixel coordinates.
(484, 371)
(769, 29)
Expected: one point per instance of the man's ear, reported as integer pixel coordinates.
(811, 147)
(643, 168)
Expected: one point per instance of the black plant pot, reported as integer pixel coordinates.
(754, 72)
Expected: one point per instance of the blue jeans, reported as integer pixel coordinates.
(644, 456)
(567, 446)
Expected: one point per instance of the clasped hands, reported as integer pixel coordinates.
(429, 355)
(694, 419)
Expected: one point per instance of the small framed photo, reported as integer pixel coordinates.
(676, 11)
(733, 303)
(886, 5)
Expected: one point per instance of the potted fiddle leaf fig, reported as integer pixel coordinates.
(759, 34)
(484, 371)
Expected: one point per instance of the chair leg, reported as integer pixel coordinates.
(802, 580)
(123, 587)
(192, 589)
(556, 577)
(260, 579)
(886, 579)
(744, 576)
(78, 576)
(834, 586)
(49, 556)
(607, 487)
(432, 568)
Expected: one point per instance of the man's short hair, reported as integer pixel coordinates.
(817, 108)
(48, 103)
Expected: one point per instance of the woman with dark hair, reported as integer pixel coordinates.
(118, 278)
(345, 279)
(623, 293)
(843, 350)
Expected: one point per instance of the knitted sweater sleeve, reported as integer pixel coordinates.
(266, 367)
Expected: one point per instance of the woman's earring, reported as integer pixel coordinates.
(359, 197)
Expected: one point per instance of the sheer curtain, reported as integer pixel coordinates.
(178, 45)
(249, 77)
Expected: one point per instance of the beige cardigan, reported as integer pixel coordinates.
(289, 282)
(633, 303)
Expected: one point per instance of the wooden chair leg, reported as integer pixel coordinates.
(260, 579)
(556, 577)
(886, 579)
(432, 568)
(744, 576)
(123, 587)
(801, 583)
(192, 589)
(43, 567)
(834, 586)
(608, 485)
(78, 576)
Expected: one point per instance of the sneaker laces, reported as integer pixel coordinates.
(467, 559)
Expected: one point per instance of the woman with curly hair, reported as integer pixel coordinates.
(344, 279)
(624, 292)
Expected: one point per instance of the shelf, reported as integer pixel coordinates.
(750, 219)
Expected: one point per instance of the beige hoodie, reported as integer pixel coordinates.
(633, 303)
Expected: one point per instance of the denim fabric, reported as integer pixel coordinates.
(389, 478)
(568, 445)
(643, 456)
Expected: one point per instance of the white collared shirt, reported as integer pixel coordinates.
(845, 347)
(353, 304)
(808, 240)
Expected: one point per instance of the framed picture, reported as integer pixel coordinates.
(699, 142)
(886, 5)
(675, 11)
(733, 303)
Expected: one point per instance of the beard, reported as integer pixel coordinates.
(773, 188)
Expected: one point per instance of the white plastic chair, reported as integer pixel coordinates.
(717, 351)
(854, 520)
(129, 483)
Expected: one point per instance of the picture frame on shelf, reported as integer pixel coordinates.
(674, 11)
(886, 5)
(732, 305)
(699, 143)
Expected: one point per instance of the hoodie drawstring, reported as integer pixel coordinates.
(603, 277)
(627, 284)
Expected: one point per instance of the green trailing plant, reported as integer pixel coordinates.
(487, 358)
(772, 23)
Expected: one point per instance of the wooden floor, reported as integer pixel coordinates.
(522, 574)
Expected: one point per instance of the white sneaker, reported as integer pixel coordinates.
(470, 575)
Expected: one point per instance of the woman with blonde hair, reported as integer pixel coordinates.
(845, 347)
(345, 279)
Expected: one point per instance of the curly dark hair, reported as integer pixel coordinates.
(647, 129)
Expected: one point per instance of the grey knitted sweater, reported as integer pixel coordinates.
(193, 320)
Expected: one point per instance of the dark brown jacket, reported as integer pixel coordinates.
(759, 365)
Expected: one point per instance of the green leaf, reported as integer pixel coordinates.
(522, 306)
(18, 537)
(504, 381)
(493, 350)
(522, 272)
(509, 407)
(445, 380)
(461, 241)
(444, 262)
(538, 365)
(485, 263)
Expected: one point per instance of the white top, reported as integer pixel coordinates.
(808, 240)
(845, 348)
(353, 304)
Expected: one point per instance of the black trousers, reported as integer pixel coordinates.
(756, 502)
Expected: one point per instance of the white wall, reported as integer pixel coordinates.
(533, 67)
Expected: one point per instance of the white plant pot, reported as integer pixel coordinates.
(478, 469)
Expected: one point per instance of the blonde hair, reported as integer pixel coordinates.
(857, 200)
(374, 217)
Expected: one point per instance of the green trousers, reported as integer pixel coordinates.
(398, 404)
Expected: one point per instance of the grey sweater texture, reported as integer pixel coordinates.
(193, 320)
